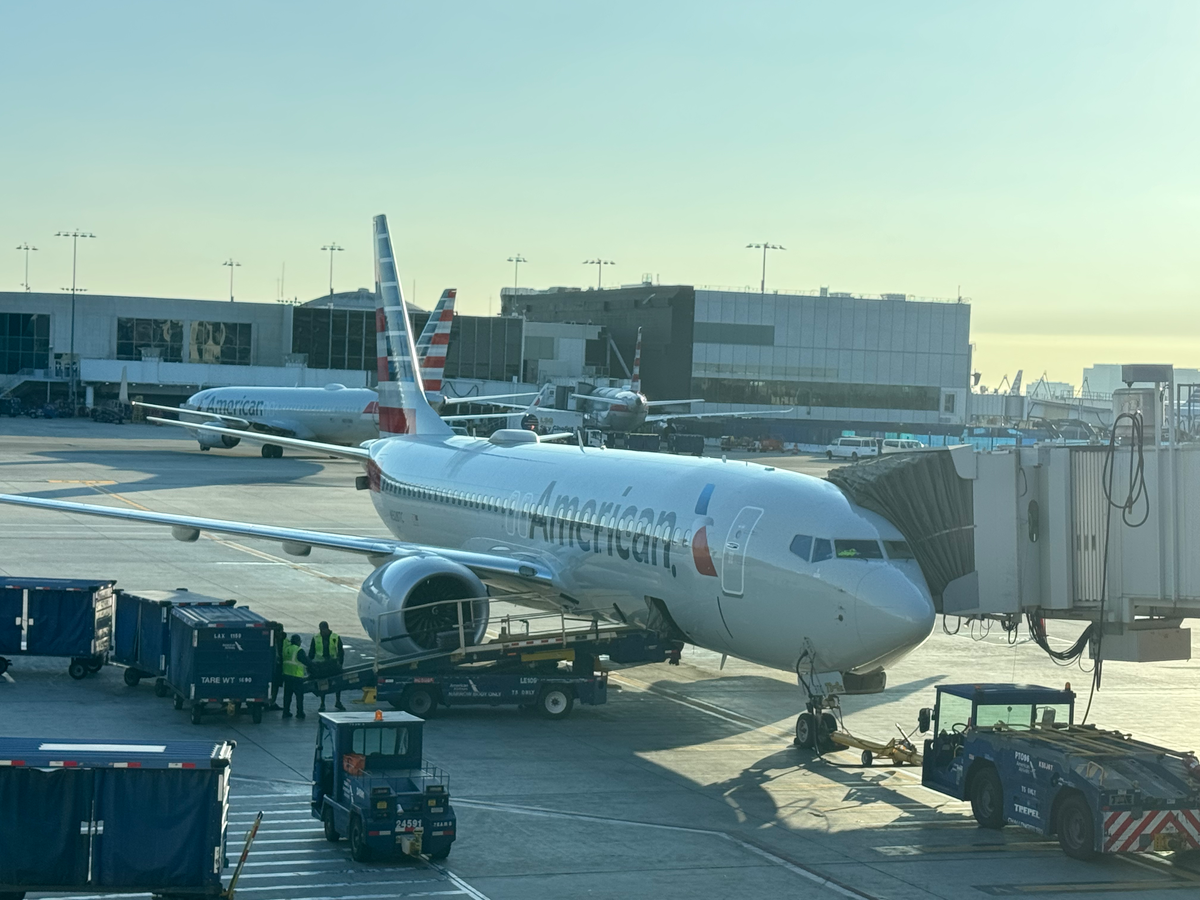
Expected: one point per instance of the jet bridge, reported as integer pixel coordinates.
(1103, 533)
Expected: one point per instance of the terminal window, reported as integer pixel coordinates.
(816, 393)
(24, 342)
(158, 337)
(222, 343)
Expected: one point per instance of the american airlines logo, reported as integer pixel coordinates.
(234, 407)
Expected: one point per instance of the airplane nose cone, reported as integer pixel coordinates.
(893, 613)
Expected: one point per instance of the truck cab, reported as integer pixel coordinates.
(371, 785)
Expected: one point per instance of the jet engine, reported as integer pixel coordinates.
(407, 605)
(207, 440)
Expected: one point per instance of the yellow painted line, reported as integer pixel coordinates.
(75, 481)
(1084, 887)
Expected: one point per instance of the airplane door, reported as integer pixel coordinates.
(733, 557)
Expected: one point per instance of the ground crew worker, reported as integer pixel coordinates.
(294, 660)
(325, 658)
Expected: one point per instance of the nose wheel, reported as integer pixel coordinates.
(813, 730)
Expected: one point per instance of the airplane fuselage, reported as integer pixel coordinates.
(626, 412)
(331, 414)
(709, 541)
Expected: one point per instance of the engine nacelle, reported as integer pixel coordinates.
(208, 439)
(403, 605)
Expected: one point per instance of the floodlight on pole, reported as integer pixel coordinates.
(599, 264)
(232, 263)
(516, 261)
(74, 236)
(332, 248)
(26, 247)
(764, 247)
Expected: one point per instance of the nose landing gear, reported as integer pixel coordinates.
(820, 718)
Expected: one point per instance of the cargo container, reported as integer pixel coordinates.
(221, 657)
(70, 617)
(142, 632)
(692, 444)
(113, 816)
(644, 442)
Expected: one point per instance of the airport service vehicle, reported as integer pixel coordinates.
(371, 786)
(1016, 753)
(142, 632)
(334, 413)
(852, 448)
(222, 659)
(899, 445)
(113, 817)
(704, 546)
(69, 617)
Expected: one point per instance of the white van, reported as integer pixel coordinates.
(852, 448)
(899, 445)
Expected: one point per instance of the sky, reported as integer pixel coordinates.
(1040, 159)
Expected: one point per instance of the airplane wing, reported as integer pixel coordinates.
(713, 415)
(356, 453)
(299, 542)
(240, 423)
(597, 399)
(492, 398)
(672, 402)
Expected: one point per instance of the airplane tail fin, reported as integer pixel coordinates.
(435, 338)
(635, 383)
(403, 408)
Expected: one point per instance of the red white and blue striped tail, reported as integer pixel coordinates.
(434, 340)
(403, 408)
(635, 383)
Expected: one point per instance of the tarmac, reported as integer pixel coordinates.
(684, 784)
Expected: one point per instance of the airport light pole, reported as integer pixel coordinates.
(764, 247)
(516, 261)
(26, 247)
(74, 236)
(232, 265)
(599, 264)
(333, 248)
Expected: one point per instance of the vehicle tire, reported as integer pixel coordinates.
(987, 798)
(440, 854)
(256, 714)
(868, 758)
(359, 851)
(1076, 828)
(78, 669)
(197, 713)
(95, 664)
(853, 457)
(419, 702)
(556, 702)
(132, 677)
(829, 454)
(4, 664)
(806, 731)
(204, 449)
(331, 833)
(160, 688)
(178, 701)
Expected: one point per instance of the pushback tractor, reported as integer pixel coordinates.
(371, 786)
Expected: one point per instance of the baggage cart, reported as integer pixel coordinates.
(222, 657)
(70, 617)
(113, 817)
(142, 632)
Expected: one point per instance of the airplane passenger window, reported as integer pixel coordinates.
(678, 536)
(687, 538)
(802, 546)
(822, 550)
(898, 550)
(858, 549)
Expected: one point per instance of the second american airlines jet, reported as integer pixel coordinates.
(774, 567)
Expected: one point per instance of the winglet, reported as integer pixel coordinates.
(403, 408)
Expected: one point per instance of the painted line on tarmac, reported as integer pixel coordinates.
(795, 868)
(717, 712)
(8, 678)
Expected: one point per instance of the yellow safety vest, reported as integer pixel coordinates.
(319, 645)
(291, 666)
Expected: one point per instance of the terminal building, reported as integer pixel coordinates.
(835, 361)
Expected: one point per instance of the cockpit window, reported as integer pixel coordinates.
(898, 550)
(802, 546)
(822, 549)
(858, 549)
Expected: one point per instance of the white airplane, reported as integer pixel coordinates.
(770, 566)
(333, 414)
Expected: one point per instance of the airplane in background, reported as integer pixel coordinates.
(333, 414)
(771, 566)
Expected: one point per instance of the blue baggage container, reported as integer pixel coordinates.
(126, 817)
(70, 617)
(142, 631)
(222, 657)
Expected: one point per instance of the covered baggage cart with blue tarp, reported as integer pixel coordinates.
(68, 617)
(142, 631)
(222, 658)
(113, 816)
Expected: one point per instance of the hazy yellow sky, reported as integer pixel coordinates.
(1042, 156)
